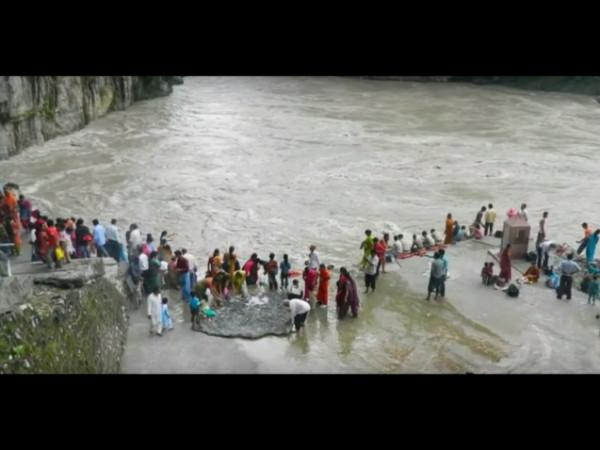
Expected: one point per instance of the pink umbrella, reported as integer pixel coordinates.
(512, 212)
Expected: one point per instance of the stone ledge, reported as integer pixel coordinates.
(250, 319)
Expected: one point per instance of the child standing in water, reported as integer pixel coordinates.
(194, 311)
(593, 291)
(284, 269)
(167, 323)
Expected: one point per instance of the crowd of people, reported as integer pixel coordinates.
(154, 268)
(376, 251)
(151, 268)
(560, 278)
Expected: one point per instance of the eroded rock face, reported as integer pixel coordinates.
(14, 291)
(35, 109)
(251, 319)
(72, 320)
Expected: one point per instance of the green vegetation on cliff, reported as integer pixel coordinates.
(66, 331)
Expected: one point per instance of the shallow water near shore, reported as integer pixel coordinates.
(276, 164)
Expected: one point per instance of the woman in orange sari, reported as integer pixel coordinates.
(322, 293)
(16, 235)
(532, 275)
(12, 206)
(449, 229)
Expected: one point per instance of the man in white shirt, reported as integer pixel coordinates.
(299, 311)
(135, 238)
(144, 263)
(313, 258)
(523, 213)
(435, 236)
(397, 246)
(427, 240)
(113, 242)
(112, 231)
(371, 271)
(543, 252)
(192, 264)
(154, 312)
(405, 244)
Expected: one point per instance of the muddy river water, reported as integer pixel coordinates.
(276, 164)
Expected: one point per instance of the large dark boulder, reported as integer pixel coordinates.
(251, 319)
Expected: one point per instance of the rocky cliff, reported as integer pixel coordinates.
(34, 109)
(73, 320)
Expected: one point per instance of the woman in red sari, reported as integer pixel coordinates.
(505, 266)
(347, 295)
(340, 297)
(310, 283)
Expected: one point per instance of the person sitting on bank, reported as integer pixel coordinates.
(487, 272)
(531, 275)
(416, 244)
(553, 279)
(427, 240)
(436, 237)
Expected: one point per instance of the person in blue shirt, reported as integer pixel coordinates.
(590, 247)
(165, 317)
(284, 268)
(444, 259)
(195, 311)
(100, 239)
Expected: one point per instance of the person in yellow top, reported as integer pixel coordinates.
(490, 218)
(366, 246)
(239, 281)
